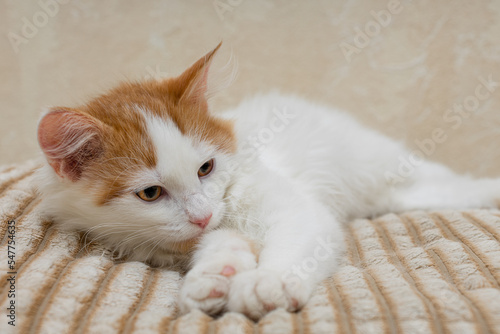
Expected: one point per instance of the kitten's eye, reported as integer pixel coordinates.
(150, 194)
(206, 168)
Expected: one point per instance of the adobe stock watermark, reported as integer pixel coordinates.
(11, 272)
(454, 117)
(257, 142)
(381, 19)
(31, 26)
(222, 7)
(253, 146)
(323, 254)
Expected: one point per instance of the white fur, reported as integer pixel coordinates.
(145, 231)
(298, 182)
(301, 170)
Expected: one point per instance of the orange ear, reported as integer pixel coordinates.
(70, 140)
(192, 84)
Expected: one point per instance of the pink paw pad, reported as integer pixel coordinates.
(215, 294)
(228, 271)
(269, 307)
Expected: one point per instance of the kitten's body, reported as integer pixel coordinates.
(283, 183)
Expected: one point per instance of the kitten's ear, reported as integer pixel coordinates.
(192, 84)
(70, 140)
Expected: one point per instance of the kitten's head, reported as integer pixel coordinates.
(144, 166)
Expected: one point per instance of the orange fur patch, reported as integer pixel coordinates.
(127, 146)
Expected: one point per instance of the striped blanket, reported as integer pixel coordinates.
(418, 272)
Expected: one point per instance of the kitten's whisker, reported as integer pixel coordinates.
(107, 234)
(154, 247)
(139, 235)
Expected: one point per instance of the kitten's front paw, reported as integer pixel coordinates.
(257, 292)
(206, 286)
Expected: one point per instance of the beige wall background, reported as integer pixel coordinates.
(405, 68)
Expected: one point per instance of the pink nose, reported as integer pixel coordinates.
(203, 222)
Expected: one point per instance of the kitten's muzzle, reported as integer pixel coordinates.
(203, 222)
(197, 209)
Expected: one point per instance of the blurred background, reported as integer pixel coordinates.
(423, 72)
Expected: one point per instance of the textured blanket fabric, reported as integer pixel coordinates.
(417, 272)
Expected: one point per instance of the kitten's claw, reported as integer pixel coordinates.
(228, 271)
(216, 294)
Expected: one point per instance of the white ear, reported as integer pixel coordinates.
(70, 140)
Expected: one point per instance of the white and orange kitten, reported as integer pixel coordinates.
(255, 197)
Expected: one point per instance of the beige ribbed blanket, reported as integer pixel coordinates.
(418, 272)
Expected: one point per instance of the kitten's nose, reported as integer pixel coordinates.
(203, 222)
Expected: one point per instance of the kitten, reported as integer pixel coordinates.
(255, 197)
